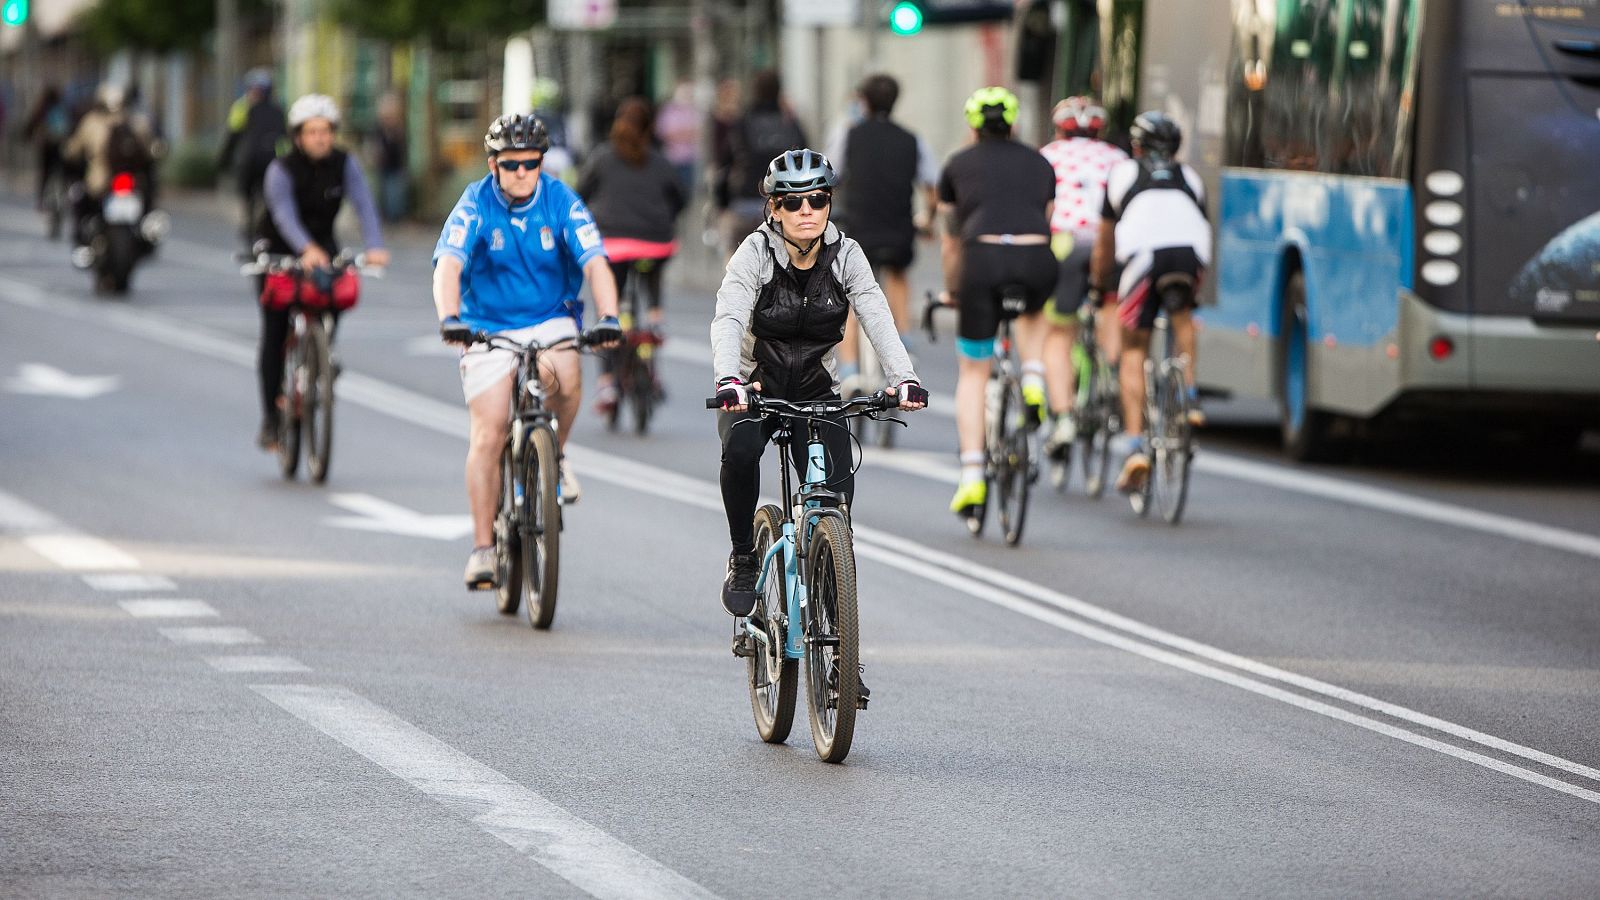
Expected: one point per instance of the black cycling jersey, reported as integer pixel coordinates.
(998, 186)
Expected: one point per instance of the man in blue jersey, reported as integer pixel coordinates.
(511, 260)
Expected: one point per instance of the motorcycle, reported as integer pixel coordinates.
(117, 234)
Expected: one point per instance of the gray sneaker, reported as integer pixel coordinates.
(570, 489)
(480, 574)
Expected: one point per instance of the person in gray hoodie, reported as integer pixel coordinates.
(781, 313)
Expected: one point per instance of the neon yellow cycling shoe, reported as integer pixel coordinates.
(1033, 398)
(969, 494)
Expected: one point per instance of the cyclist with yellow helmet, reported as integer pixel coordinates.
(997, 195)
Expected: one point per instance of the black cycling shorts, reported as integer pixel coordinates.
(1072, 283)
(1139, 302)
(987, 269)
(890, 255)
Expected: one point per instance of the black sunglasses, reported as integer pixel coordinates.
(818, 201)
(512, 165)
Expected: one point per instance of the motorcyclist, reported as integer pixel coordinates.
(107, 141)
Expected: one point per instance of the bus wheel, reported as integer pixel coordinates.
(1305, 430)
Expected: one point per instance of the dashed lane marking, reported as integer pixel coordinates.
(167, 609)
(216, 635)
(129, 582)
(257, 664)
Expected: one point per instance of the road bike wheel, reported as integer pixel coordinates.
(621, 360)
(508, 522)
(319, 423)
(770, 674)
(642, 393)
(1095, 454)
(1170, 466)
(541, 546)
(1013, 472)
(289, 417)
(1142, 499)
(833, 655)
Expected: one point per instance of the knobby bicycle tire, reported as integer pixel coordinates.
(770, 674)
(320, 420)
(832, 614)
(508, 528)
(541, 557)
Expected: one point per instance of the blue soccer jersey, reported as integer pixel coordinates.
(521, 265)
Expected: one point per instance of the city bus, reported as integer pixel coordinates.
(1406, 199)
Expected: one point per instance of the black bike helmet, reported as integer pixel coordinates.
(515, 131)
(798, 170)
(1156, 134)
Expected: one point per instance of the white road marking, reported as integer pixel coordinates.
(373, 514)
(19, 516)
(222, 635)
(256, 664)
(167, 609)
(430, 345)
(128, 581)
(450, 420)
(41, 380)
(79, 552)
(588, 858)
(1340, 490)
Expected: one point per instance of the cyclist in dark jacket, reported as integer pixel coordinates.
(256, 126)
(780, 315)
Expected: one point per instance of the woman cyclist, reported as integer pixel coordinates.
(635, 196)
(780, 315)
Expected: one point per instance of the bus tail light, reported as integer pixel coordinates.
(1441, 347)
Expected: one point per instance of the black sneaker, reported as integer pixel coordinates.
(739, 585)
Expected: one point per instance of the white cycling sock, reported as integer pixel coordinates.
(972, 467)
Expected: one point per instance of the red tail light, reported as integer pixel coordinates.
(1441, 347)
(122, 183)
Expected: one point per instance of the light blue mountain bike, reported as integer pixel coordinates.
(807, 603)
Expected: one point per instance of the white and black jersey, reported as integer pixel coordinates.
(1157, 205)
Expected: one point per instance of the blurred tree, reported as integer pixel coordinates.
(434, 22)
(156, 25)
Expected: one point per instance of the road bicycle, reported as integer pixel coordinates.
(1010, 423)
(807, 587)
(1168, 434)
(1098, 412)
(527, 520)
(633, 365)
(314, 300)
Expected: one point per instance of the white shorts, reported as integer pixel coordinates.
(483, 367)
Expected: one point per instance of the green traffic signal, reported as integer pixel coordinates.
(14, 12)
(905, 18)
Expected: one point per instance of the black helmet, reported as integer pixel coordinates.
(1156, 134)
(515, 131)
(798, 170)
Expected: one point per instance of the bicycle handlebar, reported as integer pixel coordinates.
(501, 342)
(882, 400)
(271, 264)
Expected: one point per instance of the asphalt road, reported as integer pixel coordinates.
(1377, 679)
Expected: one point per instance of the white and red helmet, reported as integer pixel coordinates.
(1079, 117)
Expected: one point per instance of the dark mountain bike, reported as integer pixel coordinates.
(634, 363)
(527, 523)
(807, 587)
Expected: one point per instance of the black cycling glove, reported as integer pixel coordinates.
(606, 331)
(911, 392)
(454, 331)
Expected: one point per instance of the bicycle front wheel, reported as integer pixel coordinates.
(319, 421)
(510, 521)
(541, 543)
(772, 675)
(642, 391)
(1174, 450)
(1013, 470)
(293, 400)
(833, 655)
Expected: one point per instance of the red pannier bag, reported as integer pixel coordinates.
(278, 290)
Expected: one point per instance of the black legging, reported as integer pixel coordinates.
(742, 448)
(50, 166)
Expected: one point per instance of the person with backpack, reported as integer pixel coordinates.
(256, 128)
(50, 124)
(106, 142)
(765, 131)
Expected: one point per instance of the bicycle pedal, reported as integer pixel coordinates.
(861, 702)
(741, 646)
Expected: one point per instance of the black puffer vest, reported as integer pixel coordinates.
(799, 317)
(318, 194)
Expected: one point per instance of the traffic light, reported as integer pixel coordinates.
(905, 18)
(14, 12)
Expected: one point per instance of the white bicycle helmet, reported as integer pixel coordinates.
(313, 106)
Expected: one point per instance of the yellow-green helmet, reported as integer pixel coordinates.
(990, 106)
